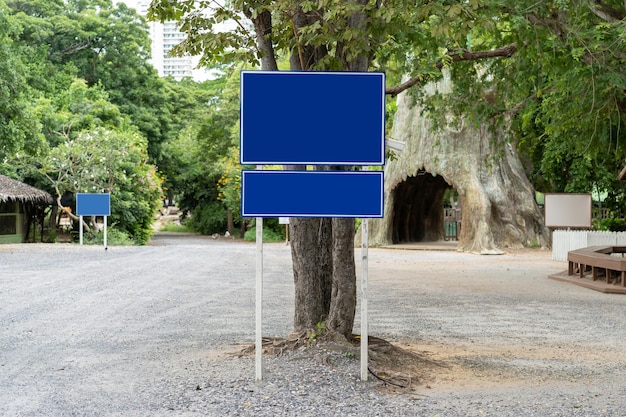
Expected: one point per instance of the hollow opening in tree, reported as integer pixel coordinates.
(418, 210)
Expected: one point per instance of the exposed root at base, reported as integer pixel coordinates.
(393, 366)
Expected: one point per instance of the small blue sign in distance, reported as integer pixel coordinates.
(339, 121)
(88, 204)
(312, 194)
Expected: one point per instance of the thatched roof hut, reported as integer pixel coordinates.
(16, 191)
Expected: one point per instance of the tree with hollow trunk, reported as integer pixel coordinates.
(497, 201)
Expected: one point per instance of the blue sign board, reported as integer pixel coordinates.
(312, 194)
(341, 120)
(93, 204)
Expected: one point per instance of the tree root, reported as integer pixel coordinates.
(389, 364)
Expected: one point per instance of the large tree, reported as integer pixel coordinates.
(104, 44)
(515, 62)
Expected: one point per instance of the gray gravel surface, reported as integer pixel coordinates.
(150, 331)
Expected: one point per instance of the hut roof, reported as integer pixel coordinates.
(13, 190)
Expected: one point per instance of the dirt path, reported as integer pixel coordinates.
(497, 321)
(84, 330)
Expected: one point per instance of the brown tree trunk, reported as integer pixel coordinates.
(343, 300)
(309, 254)
(262, 22)
(230, 223)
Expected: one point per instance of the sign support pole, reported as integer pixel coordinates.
(258, 345)
(105, 232)
(364, 279)
(364, 318)
(80, 228)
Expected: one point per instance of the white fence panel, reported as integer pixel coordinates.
(601, 238)
(620, 239)
(564, 241)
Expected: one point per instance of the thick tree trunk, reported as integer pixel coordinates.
(312, 271)
(343, 300)
(497, 201)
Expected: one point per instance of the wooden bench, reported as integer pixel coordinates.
(596, 259)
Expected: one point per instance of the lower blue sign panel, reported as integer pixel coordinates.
(312, 194)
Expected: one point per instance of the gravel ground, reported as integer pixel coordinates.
(150, 331)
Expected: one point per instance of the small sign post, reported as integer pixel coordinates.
(91, 204)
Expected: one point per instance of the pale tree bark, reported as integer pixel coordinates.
(497, 200)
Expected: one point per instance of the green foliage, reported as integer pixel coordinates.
(19, 128)
(201, 163)
(611, 224)
(102, 160)
(177, 228)
(270, 234)
(319, 331)
(115, 237)
(208, 218)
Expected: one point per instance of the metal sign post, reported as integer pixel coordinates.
(258, 343)
(364, 313)
(80, 229)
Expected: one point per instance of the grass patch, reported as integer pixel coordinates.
(115, 237)
(269, 235)
(172, 227)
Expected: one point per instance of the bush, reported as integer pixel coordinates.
(173, 227)
(115, 237)
(611, 224)
(269, 235)
(209, 219)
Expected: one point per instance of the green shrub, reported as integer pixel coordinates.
(611, 224)
(209, 219)
(173, 227)
(115, 237)
(269, 235)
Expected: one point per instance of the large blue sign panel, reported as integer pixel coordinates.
(312, 194)
(339, 121)
(93, 204)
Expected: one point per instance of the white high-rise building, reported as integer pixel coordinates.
(164, 37)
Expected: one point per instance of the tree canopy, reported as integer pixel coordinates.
(552, 71)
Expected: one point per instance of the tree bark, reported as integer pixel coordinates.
(230, 223)
(263, 29)
(308, 248)
(343, 299)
